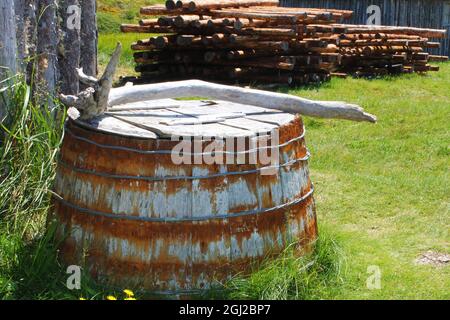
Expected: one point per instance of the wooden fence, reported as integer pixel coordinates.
(46, 40)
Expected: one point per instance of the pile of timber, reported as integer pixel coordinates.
(381, 50)
(256, 41)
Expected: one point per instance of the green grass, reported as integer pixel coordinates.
(27, 161)
(111, 13)
(384, 188)
(106, 46)
(29, 268)
(315, 275)
(127, 10)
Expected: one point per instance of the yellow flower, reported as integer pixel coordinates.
(130, 298)
(129, 293)
(81, 298)
(111, 298)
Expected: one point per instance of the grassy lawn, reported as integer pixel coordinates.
(106, 46)
(111, 13)
(384, 188)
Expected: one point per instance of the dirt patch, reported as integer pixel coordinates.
(434, 258)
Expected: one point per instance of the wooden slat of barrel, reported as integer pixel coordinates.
(146, 222)
(254, 126)
(160, 125)
(109, 124)
(147, 105)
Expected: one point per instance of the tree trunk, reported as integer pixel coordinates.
(47, 44)
(69, 48)
(8, 46)
(89, 37)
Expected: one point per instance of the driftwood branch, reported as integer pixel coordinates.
(94, 100)
(271, 100)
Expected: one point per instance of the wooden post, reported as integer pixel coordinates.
(30, 35)
(47, 43)
(19, 10)
(89, 37)
(8, 46)
(8, 43)
(69, 48)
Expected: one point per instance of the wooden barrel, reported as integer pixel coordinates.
(136, 218)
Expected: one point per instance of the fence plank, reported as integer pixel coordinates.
(47, 44)
(69, 48)
(19, 11)
(8, 46)
(89, 37)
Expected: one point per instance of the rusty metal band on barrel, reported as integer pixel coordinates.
(148, 178)
(105, 146)
(187, 219)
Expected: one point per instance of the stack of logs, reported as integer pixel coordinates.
(256, 41)
(382, 50)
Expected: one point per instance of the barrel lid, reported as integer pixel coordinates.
(195, 118)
